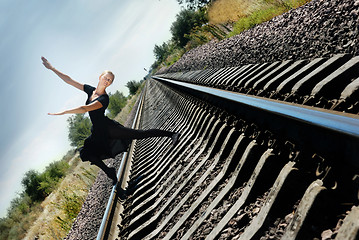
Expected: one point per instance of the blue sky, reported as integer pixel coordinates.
(80, 38)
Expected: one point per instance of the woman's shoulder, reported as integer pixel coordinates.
(104, 96)
(88, 89)
(104, 99)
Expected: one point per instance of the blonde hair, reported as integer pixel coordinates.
(111, 73)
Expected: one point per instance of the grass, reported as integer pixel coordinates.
(23, 210)
(245, 14)
(257, 17)
(229, 11)
(64, 203)
(175, 55)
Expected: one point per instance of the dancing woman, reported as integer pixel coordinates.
(108, 137)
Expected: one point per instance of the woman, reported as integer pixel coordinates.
(108, 138)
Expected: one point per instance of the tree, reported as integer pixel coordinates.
(5, 226)
(49, 179)
(133, 86)
(79, 129)
(31, 184)
(38, 186)
(117, 102)
(194, 4)
(186, 20)
(161, 52)
(155, 65)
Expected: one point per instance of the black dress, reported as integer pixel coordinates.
(108, 137)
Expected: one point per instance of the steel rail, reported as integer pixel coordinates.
(327, 129)
(120, 174)
(345, 124)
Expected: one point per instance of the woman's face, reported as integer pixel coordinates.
(106, 79)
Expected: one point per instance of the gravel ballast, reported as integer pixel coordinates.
(321, 28)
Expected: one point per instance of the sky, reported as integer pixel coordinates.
(80, 38)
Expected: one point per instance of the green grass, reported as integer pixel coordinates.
(257, 17)
(268, 10)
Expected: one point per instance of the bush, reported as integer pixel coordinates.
(38, 186)
(205, 33)
(31, 184)
(133, 86)
(193, 4)
(175, 55)
(5, 226)
(166, 54)
(186, 20)
(50, 178)
(79, 129)
(161, 52)
(117, 102)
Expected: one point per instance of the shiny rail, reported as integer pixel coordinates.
(120, 176)
(347, 124)
(330, 83)
(340, 130)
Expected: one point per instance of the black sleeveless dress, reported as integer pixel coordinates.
(99, 145)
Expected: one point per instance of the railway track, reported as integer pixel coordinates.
(268, 151)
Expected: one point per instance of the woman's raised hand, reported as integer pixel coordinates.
(46, 63)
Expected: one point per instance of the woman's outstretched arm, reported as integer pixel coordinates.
(64, 77)
(82, 109)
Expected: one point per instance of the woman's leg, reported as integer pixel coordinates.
(129, 133)
(110, 172)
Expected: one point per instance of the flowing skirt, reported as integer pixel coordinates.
(112, 138)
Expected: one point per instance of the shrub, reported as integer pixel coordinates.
(38, 186)
(186, 20)
(18, 219)
(50, 178)
(133, 86)
(5, 226)
(205, 33)
(174, 56)
(193, 4)
(117, 102)
(79, 129)
(161, 52)
(32, 183)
